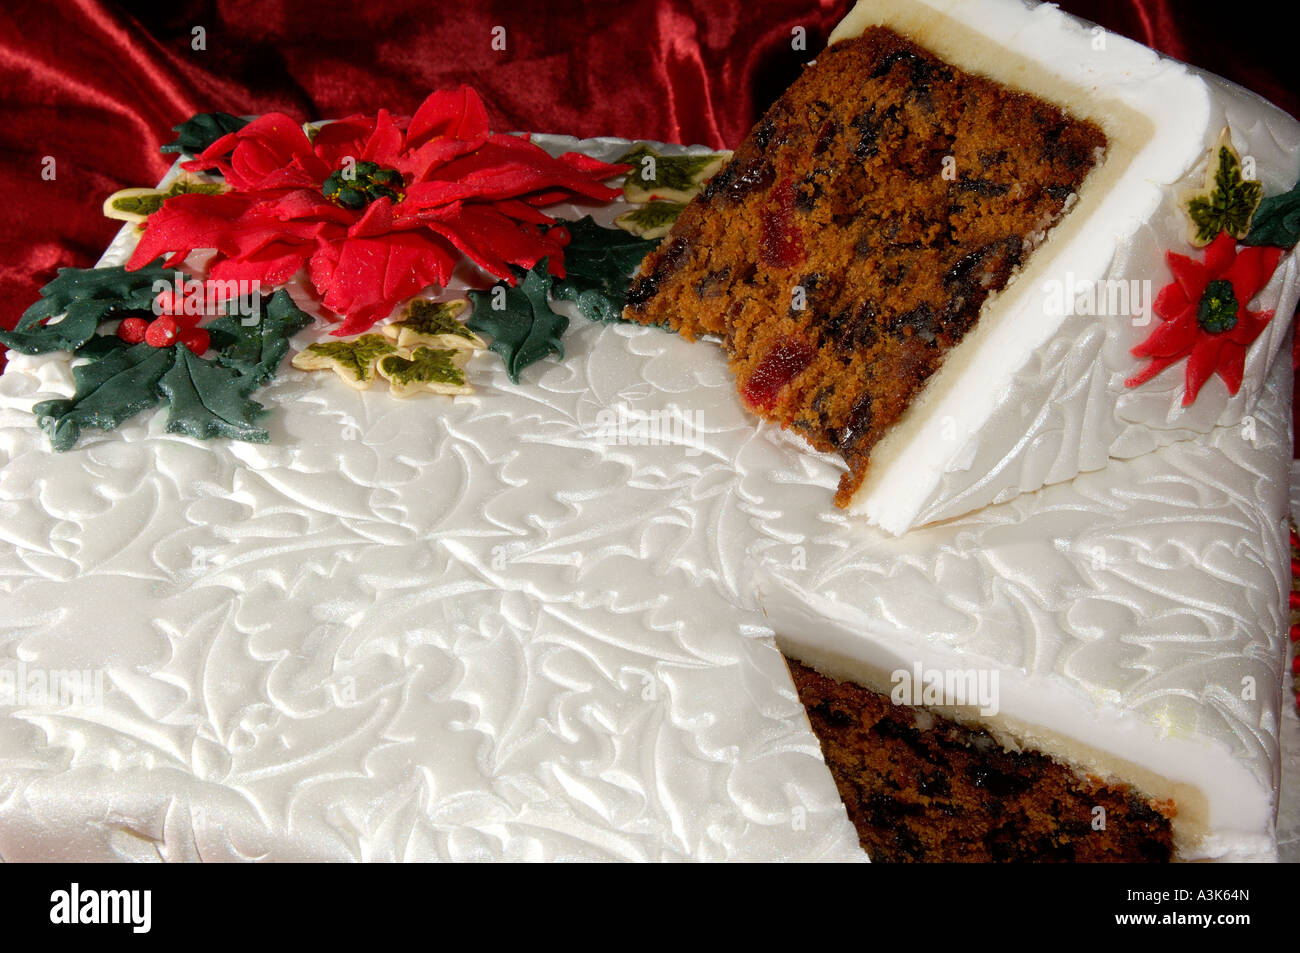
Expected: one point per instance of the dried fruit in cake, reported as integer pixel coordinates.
(920, 787)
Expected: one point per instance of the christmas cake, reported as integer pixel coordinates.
(345, 518)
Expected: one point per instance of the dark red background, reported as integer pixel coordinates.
(98, 86)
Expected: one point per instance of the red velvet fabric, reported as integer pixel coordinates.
(95, 87)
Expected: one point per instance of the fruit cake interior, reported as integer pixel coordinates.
(920, 786)
(858, 231)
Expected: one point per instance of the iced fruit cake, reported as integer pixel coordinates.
(857, 232)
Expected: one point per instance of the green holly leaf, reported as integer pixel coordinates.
(120, 385)
(675, 178)
(100, 346)
(353, 359)
(429, 369)
(200, 131)
(85, 297)
(1277, 220)
(1227, 203)
(652, 220)
(519, 320)
(599, 264)
(207, 399)
(256, 348)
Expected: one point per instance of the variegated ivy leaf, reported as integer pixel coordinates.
(353, 360)
(434, 324)
(652, 220)
(136, 205)
(426, 370)
(1227, 202)
(672, 178)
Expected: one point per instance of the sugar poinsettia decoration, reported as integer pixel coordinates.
(374, 207)
(1205, 316)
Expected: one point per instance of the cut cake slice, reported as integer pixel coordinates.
(911, 258)
(1114, 642)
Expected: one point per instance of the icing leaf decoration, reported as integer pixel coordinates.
(438, 187)
(675, 178)
(353, 359)
(651, 220)
(100, 346)
(434, 324)
(1277, 220)
(256, 349)
(519, 320)
(200, 131)
(599, 264)
(109, 391)
(136, 205)
(426, 369)
(85, 297)
(209, 400)
(1227, 202)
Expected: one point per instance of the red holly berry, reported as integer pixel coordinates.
(162, 332)
(1295, 665)
(132, 330)
(197, 340)
(1295, 633)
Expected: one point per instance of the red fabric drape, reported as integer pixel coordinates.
(93, 87)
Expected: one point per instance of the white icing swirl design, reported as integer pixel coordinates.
(393, 633)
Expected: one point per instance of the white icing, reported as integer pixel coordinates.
(486, 632)
(1121, 610)
(400, 631)
(1032, 398)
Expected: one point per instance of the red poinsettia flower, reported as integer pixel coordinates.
(375, 208)
(1204, 315)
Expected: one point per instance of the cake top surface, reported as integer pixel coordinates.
(503, 625)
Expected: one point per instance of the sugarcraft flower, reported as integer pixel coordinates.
(375, 208)
(1205, 317)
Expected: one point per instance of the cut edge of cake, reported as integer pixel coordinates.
(1198, 833)
(1153, 112)
(1182, 735)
